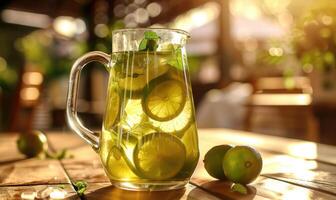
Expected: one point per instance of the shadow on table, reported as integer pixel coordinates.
(113, 193)
(221, 189)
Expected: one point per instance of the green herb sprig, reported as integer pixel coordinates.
(80, 187)
(236, 187)
(149, 42)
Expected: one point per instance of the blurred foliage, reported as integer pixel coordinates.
(272, 54)
(314, 40)
(311, 43)
(8, 75)
(49, 54)
(314, 36)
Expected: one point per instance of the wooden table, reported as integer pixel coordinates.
(293, 169)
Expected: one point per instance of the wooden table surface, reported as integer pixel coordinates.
(293, 169)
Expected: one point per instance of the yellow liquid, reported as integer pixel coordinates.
(127, 118)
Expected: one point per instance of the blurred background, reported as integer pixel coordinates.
(266, 66)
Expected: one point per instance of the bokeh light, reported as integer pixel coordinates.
(69, 26)
(154, 9)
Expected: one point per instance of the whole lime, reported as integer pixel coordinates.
(242, 164)
(32, 143)
(213, 160)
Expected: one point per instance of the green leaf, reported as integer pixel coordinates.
(236, 187)
(177, 59)
(143, 45)
(80, 187)
(149, 42)
(151, 35)
(152, 45)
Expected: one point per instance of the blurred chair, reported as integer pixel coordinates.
(267, 106)
(224, 108)
(26, 101)
(275, 109)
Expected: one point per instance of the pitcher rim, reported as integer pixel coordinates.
(180, 31)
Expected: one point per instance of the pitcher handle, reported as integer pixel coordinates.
(71, 106)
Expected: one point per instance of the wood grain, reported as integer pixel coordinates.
(17, 192)
(108, 192)
(292, 169)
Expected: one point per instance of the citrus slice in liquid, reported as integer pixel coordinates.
(179, 125)
(140, 72)
(163, 100)
(159, 156)
(113, 107)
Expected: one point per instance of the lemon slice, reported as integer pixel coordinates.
(119, 166)
(159, 156)
(112, 107)
(164, 99)
(179, 124)
(137, 73)
(134, 121)
(190, 141)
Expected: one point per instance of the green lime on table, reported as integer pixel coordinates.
(213, 160)
(164, 99)
(159, 156)
(32, 143)
(242, 164)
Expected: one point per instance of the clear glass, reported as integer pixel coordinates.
(149, 136)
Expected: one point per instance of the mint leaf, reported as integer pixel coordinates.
(149, 43)
(151, 35)
(80, 187)
(152, 45)
(236, 187)
(143, 45)
(177, 59)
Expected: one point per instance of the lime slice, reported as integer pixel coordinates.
(190, 140)
(164, 99)
(159, 156)
(119, 166)
(113, 106)
(132, 114)
(134, 121)
(136, 73)
(133, 86)
(179, 124)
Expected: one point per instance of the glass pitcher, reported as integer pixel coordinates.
(149, 136)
